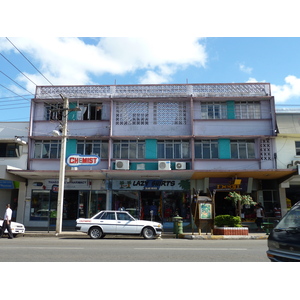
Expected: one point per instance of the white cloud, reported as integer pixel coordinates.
(71, 61)
(285, 92)
(245, 69)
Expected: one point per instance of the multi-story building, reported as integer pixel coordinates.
(158, 146)
(288, 155)
(13, 155)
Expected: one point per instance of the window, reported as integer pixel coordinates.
(47, 149)
(9, 150)
(247, 110)
(124, 217)
(169, 113)
(297, 144)
(132, 113)
(206, 149)
(90, 111)
(93, 147)
(214, 110)
(53, 111)
(242, 149)
(108, 216)
(133, 149)
(173, 149)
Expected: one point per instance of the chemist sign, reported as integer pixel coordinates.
(76, 160)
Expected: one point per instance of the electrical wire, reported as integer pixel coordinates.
(28, 60)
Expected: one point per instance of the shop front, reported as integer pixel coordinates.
(156, 200)
(82, 198)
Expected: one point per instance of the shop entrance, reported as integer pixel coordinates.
(224, 206)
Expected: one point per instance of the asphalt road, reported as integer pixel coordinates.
(135, 249)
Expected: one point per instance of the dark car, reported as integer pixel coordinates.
(284, 240)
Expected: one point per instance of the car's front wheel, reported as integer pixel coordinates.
(96, 233)
(148, 233)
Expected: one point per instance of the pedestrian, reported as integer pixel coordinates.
(259, 216)
(7, 221)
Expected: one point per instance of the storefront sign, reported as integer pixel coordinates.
(6, 184)
(149, 185)
(75, 184)
(76, 160)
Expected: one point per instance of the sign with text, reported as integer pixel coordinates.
(76, 160)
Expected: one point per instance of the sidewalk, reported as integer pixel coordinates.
(165, 235)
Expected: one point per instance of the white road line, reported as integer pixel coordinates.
(194, 249)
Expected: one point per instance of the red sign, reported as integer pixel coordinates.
(76, 160)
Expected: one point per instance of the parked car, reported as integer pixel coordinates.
(16, 228)
(117, 222)
(284, 240)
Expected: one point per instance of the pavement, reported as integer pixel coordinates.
(165, 235)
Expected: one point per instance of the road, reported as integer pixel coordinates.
(130, 249)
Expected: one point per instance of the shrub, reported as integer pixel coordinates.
(227, 220)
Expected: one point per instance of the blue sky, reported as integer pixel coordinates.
(153, 59)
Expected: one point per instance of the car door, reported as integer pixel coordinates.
(126, 224)
(108, 222)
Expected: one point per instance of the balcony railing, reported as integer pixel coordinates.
(155, 90)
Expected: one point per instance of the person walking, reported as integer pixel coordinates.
(7, 221)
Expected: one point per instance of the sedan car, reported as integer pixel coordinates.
(16, 228)
(284, 240)
(117, 222)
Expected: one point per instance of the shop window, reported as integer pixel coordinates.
(247, 110)
(47, 149)
(173, 149)
(93, 147)
(42, 208)
(129, 149)
(242, 149)
(214, 110)
(206, 149)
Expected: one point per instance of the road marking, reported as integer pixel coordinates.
(43, 248)
(195, 249)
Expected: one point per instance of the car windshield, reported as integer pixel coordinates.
(291, 219)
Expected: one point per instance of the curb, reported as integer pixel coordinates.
(188, 236)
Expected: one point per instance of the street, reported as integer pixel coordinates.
(130, 249)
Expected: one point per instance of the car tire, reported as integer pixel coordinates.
(148, 233)
(96, 233)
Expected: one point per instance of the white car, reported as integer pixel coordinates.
(117, 222)
(16, 228)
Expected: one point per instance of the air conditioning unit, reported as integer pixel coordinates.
(164, 165)
(180, 165)
(296, 162)
(122, 165)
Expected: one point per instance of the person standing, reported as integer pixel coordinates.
(259, 216)
(7, 221)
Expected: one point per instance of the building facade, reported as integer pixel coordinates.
(13, 155)
(158, 146)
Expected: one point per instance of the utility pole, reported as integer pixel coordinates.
(62, 166)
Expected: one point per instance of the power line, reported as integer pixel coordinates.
(16, 83)
(17, 69)
(27, 59)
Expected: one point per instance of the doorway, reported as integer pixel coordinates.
(224, 206)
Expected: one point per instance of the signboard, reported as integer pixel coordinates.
(154, 185)
(75, 184)
(205, 210)
(76, 160)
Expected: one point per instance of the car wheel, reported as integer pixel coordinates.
(148, 233)
(96, 233)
